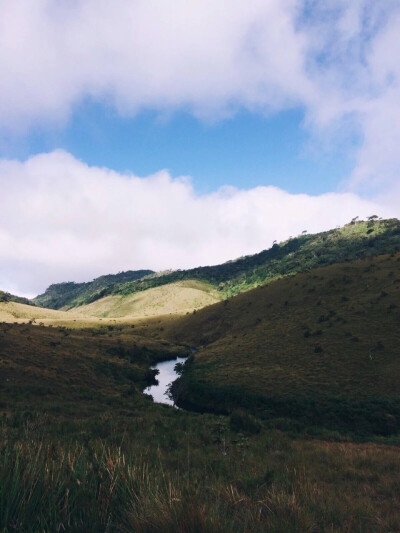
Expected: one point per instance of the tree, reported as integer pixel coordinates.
(5, 296)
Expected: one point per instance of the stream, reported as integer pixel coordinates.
(166, 375)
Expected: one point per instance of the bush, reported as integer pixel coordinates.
(244, 422)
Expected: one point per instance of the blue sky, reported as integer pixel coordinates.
(147, 134)
(243, 151)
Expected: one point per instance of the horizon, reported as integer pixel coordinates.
(187, 135)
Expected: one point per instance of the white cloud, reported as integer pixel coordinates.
(205, 55)
(62, 220)
(338, 60)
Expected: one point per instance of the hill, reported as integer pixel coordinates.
(355, 240)
(175, 298)
(85, 370)
(312, 355)
(7, 297)
(319, 348)
(70, 294)
(21, 312)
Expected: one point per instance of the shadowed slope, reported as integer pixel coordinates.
(81, 370)
(322, 346)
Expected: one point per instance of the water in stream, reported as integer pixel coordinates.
(166, 375)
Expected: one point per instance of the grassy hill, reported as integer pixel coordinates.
(355, 240)
(83, 449)
(70, 294)
(21, 312)
(319, 348)
(180, 297)
(84, 370)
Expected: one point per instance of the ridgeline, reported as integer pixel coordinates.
(358, 239)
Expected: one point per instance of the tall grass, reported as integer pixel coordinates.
(212, 480)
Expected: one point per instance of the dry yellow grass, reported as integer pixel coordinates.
(15, 312)
(177, 298)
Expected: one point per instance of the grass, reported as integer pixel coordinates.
(321, 347)
(175, 298)
(305, 374)
(76, 371)
(352, 241)
(171, 471)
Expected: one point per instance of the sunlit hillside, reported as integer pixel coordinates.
(16, 312)
(354, 240)
(175, 298)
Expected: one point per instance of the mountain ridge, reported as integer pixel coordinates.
(355, 240)
(70, 294)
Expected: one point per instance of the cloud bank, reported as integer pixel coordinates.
(62, 220)
(337, 60)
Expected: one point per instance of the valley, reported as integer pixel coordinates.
(290, 397)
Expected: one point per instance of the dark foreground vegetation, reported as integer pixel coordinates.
(166, 471)
(320, 348)
(82, 449)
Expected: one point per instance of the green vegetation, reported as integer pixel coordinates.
(161, 470)
(70, 294)
(175, 298)
(355, 240)
(317, 349)
(7, 297)
(292, 397)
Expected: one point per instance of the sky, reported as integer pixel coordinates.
(172, 134)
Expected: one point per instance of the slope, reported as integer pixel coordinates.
(70, 294)
(18, 312)
(321, 347)
(175, 298)
(7, 297)
(83, 450)
(355, 240)
(352, 241)
(83, 370)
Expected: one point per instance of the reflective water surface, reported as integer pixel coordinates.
(166, 375)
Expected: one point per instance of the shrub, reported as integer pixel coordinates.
(244, 422)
